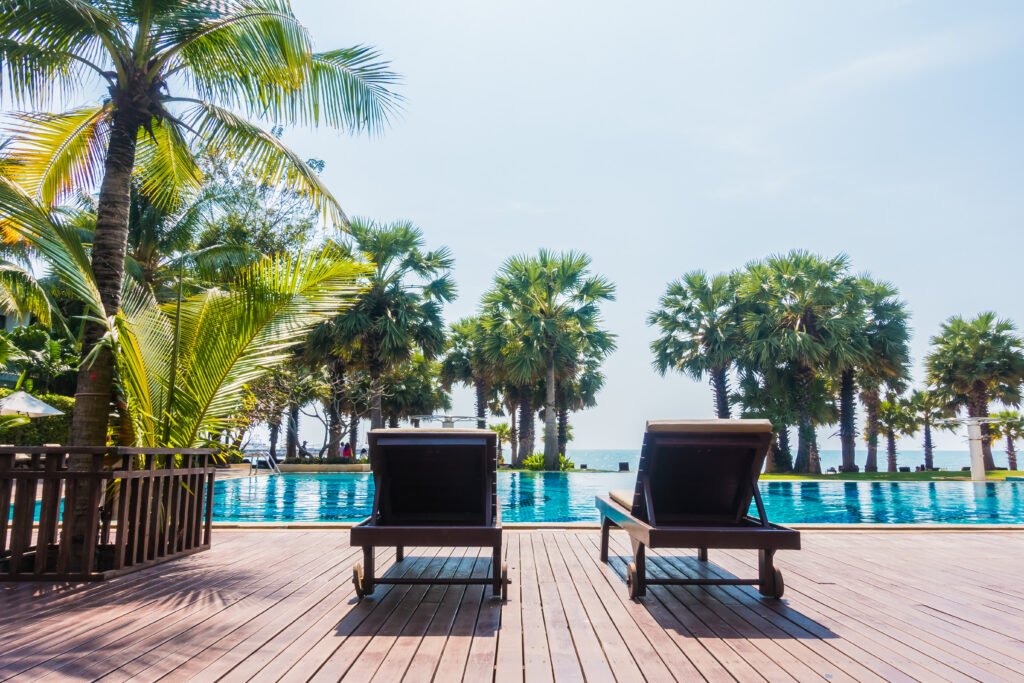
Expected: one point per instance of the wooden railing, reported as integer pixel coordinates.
(138, 507)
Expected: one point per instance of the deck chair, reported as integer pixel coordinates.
(694, 485)
(433, 487)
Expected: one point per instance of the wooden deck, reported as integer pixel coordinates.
(272, 605)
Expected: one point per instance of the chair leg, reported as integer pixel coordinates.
(606, 526)
(399, 553)
(769, 578)
(640, 560)
(702, 554)
(368, 575)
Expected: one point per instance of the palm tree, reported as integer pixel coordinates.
(929, 408)
(976, 361)
(183, 370)
(414, 388)
(699, 324)
(399, 313)
(504, 433)
(466, 363)
(1010, 426)
(879, 351)
(896, 419)
(234, 56)
(796, 314)
(577, 393)
(550, 306)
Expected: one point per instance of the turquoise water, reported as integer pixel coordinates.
(555, 497)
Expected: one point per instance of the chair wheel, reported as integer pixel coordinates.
(778, 585)
(633, 581)
(504, 582)
(357, 580)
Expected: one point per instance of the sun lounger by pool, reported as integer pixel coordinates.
(694, 486)
(433, 487)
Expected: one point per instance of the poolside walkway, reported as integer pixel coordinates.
(273, 605)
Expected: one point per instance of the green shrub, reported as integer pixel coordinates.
(41, 429)
(536, 462)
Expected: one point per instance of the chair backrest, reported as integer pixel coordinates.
(438, 477)
(700, 471)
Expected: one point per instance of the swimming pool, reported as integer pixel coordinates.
(556, 497)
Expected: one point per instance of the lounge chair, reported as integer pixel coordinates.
(433, 487)
(694, 486)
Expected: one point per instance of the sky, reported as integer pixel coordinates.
(662, 137)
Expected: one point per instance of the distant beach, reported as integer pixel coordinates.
(609, 459)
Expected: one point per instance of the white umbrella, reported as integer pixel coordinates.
(20, 403)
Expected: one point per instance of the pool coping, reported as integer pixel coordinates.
(540, 526)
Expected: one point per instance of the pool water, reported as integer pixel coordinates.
(556, 497)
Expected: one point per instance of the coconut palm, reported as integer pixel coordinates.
(466, 363)
(549, 306)
(796, 314)
(1009, 425)
(976, 361)
(181, 78)
(929, 408)
(399, 313)
(698, 321)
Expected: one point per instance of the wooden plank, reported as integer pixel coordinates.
(536, 651)
(509, 667)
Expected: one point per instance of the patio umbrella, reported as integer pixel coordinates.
(20, 403)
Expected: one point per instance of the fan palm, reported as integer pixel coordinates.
(577, 393)
(896, 419)
(400, 311)
(796, 314)
(234, 58)
(929, 409)
(549, 306)
(1009, 425)
(414, 388)
(699, 324)
(466, 363)
(976, 361)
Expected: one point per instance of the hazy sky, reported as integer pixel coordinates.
(660, 137)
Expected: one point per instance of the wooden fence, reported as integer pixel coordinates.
(140, 507)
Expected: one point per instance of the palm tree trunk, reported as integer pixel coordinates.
(563, 430)
(1011, 452)
(720, 382)
(96, 379)
(980, 409)
(291, 434)
(929, 461)
(871, 404)
(377, 396)
(481, 404)
(847, 423)
(275, 432)
(333, 429)
(337, 384)
(513, 438)
(525, 426)
(783, 452)
(805, 426)
(550, 419)
(890, 449)
(392, 423)
(353, 430)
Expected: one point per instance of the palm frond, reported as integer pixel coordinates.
(256, 151)
(165, 167)
(57, 241)
(59, 153)
(20, 294)
(229, 338)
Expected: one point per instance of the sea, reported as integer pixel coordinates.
(609, 459)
